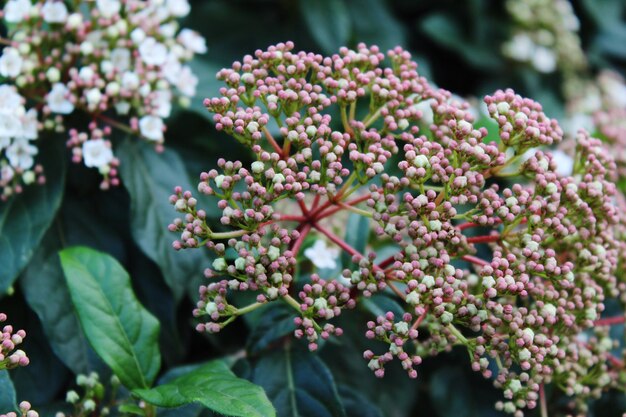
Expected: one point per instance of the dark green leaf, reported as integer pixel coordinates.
(357, 404)
(45, 376)
(275, 322)
(150, 178)
(299, 384)
(380, 304)
(25, 217)
(214, 386)
(132, 409)
(206, 72)
(373, 23)
(328, 21)
(442, 29)
(47, 294)
(119, 329)
(7, 393)
(449, 389)
(357, 235)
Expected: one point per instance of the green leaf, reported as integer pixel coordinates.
(119, 329)
(328, 21)
(493, 130)
(150, 178)
(275, 322)
(132, 409)
(25, 217)
(7, 393)
(450, 390)
(357, 235)
(206, 71)
(445, 31)
(373, 23)
(214, 386)
(299, 384)
(357, 404)
(47, 294)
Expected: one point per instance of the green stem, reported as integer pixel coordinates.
(228, 235)
(457, 333)
(292, 302)
(247, 309)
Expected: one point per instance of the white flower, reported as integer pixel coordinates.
(16, 10)
(96, 153)
(57, 99)
(108, 8)
(168, 30)
(178, 8)
(137, 36)
(120, 58)
(521, 47)
(30, 125)
(578, 121)
(93, 97)
(9, 99)
(171, 69)
(187, 82)
(162, 103)
(54, 12)
(151, 127)
(152, 52)
(86, 74)
(10, 125)
(564, 163)
(20, 154)
(544, 59)
(192, 41)
(10, 63)
(130, 81)
(321, 255)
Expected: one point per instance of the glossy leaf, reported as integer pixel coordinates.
(357, 234)
(7, 393)
(150, 178)
(328, 21)
(25, 217)
(47, 294)
(118, 327)
(299, 384)
(357, 404)
(214, 386)
(275, 322)
(374, 23)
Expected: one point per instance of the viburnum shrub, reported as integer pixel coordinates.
(91, 67)
(494, 250)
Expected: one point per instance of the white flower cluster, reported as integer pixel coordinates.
(18, 128)
(545, 35)
(122, 62)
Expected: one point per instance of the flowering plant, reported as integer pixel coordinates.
(121, 58)
(408, 158)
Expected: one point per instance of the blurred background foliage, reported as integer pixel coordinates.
(457, 45)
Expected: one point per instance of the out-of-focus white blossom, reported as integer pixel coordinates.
(97, 153)
(58, 99)
(54, 12)
(151, 127)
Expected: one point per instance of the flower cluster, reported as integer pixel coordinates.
(25, 410)
(545, 35)
(10, 357)
(494, 249)
(92, 401)
(109, 61)
(18, 127)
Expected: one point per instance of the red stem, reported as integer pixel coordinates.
(289, 218)
(609, 321)
(474, 260)
(305, 211)
(334, 210)
(338, 241)
(298, 243)
(386, 262)
(484, 239)
(272, 142)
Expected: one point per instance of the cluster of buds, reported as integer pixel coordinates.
(545, 35)
(92, 402)
(119, 63)
(346, 133)
(10, 357)
(25, 410)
